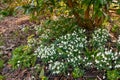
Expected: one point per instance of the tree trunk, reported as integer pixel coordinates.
(85, 22)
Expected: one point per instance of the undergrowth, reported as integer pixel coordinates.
(65, 50)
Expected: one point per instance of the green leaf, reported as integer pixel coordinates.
(1, 63)
(118, 11)
(42, 73)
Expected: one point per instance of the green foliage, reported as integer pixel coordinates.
(113, 75)
(1, 63)
(86, 12)
(64, 52)
(23, 57)
(73, 50)
(52, 29)
(118, 11)
(42, 74)
(115, 28)
(107, 59)
(61, 44)
(118, 43)
(2, 77)
(77, 73)
(69, 50)
(99, 38)
(6, 1)
(7, 8)
(7, 12)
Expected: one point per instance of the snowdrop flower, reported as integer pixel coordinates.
(18, 62)
(110, 67)
(104, 77)
(18, 65)
(117, 66)
(99, 37)
(71, 45)
(97, 61)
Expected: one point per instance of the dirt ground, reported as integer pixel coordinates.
(12, 23)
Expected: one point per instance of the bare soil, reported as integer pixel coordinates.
(11, 23)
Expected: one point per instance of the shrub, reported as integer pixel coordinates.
(22, 57)
(77, 73)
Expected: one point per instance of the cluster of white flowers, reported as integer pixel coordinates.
(67, 48)
(107, 59)
(87, 62)
(72, 43)
(56, 67)
(42, 32)
(99, 37)
(18, 63)
(45, 51)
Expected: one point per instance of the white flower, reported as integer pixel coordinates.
(18, 61)
(117, 66)
(107, 63)
(104, 77)
(110, 67)
(97, 61)
(18, 65)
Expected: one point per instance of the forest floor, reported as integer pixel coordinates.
(11, 36)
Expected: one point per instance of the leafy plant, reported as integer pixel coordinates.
(42, 74)
(107, 59)
(7, 12)
(77, 73)
(65, 52)
(52, 29)
(23, 57)
(115, 28)
(113, 75)
(1, 63)
(72, 50)
(2, 77)
(99, 38)
(8, 9)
